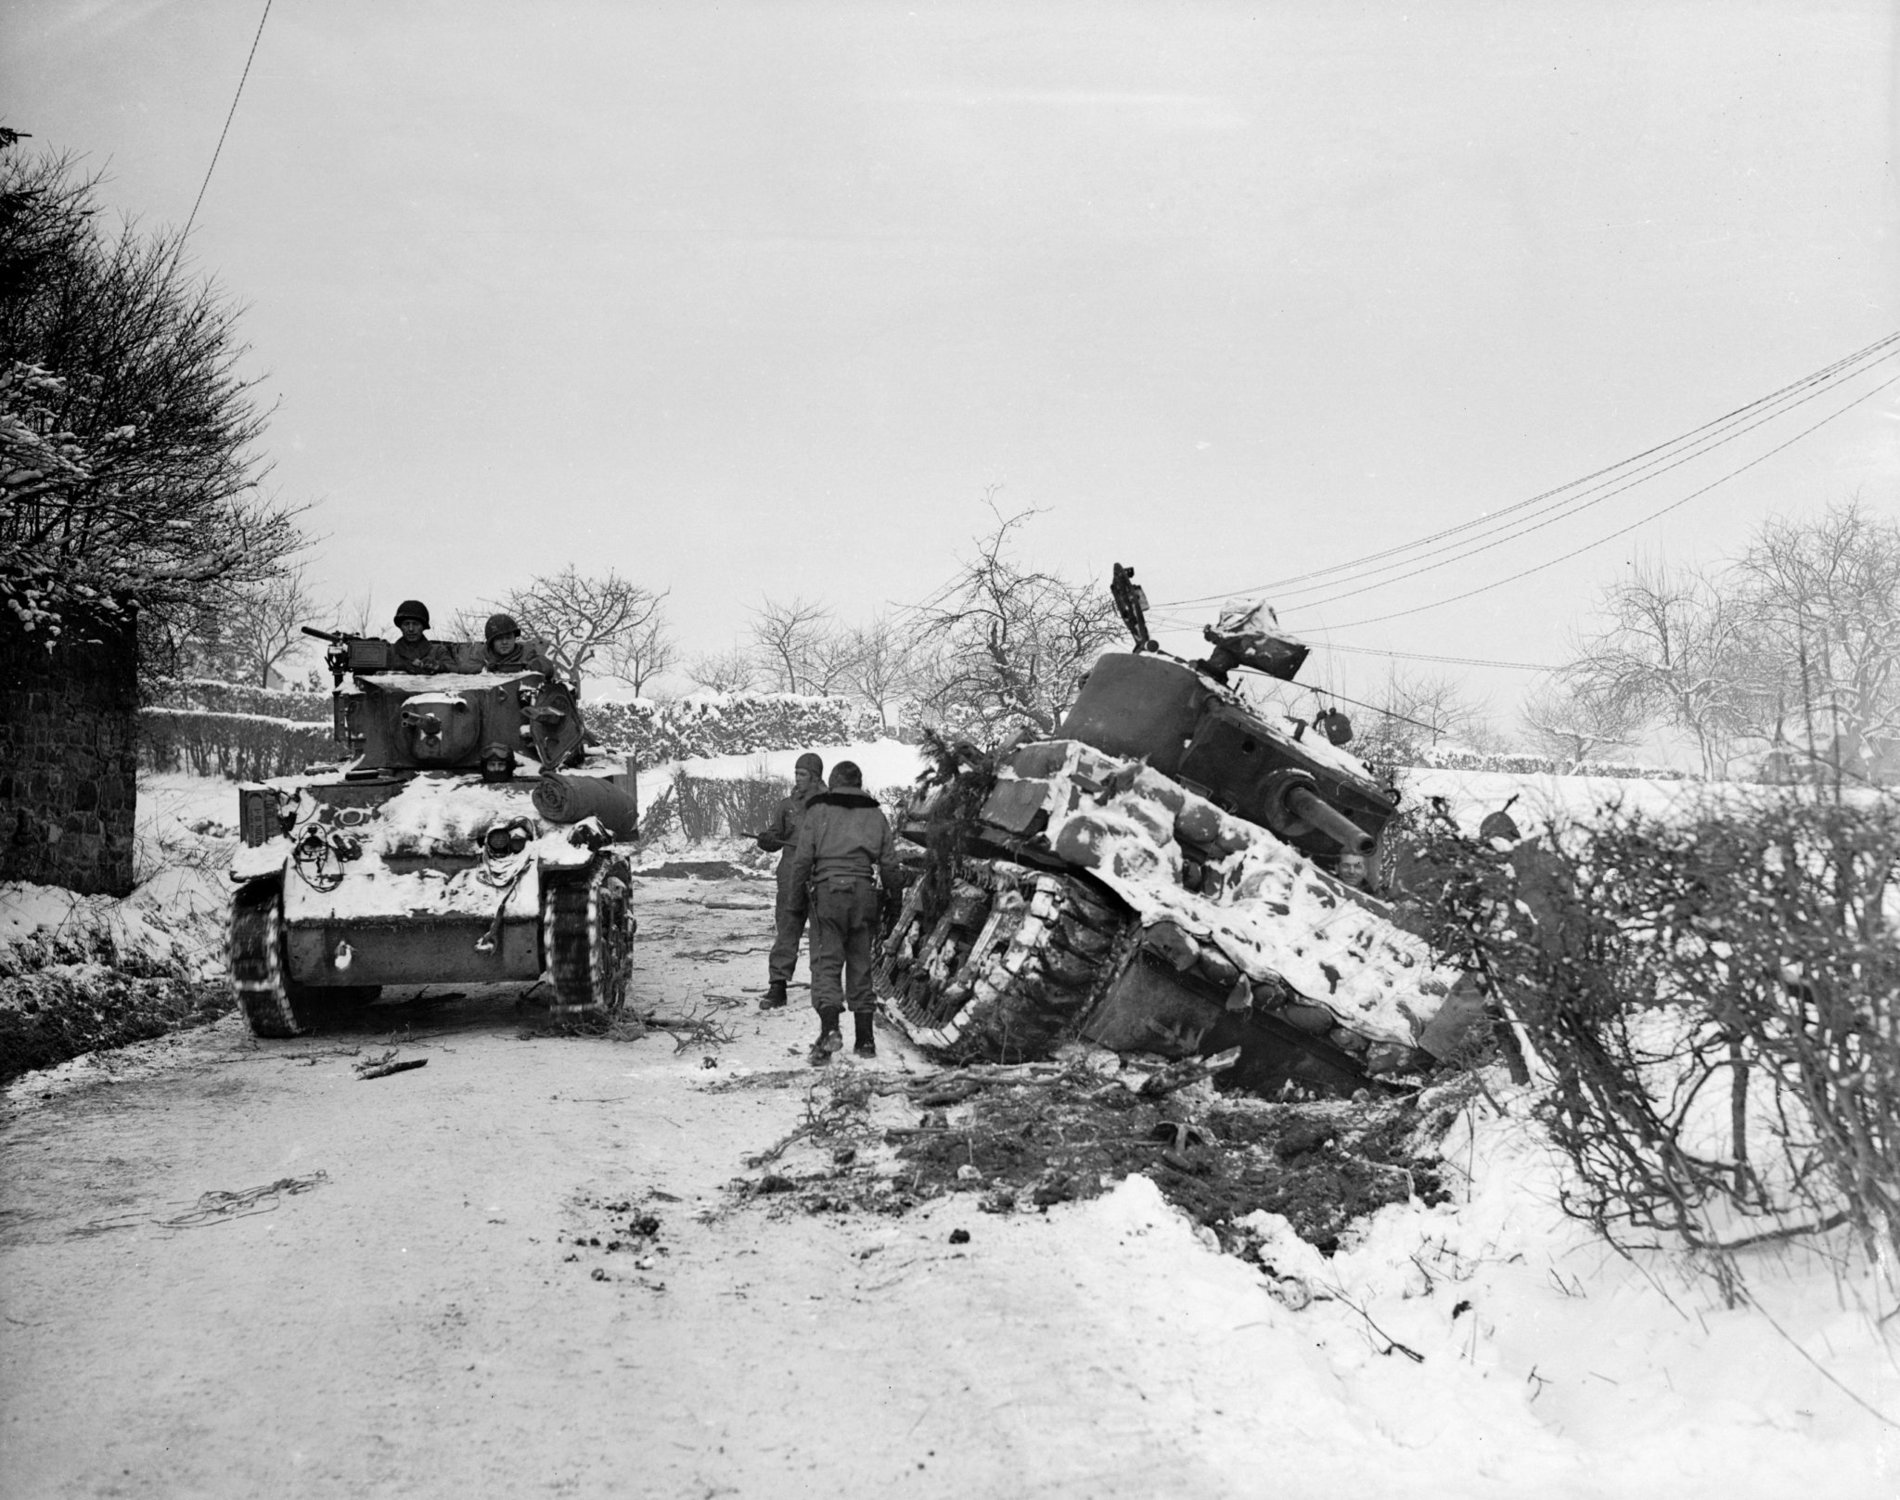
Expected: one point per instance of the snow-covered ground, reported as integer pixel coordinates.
(1469, 795)
(886, 764)
(174, 917)
(1491, 1347)
(1486, 1346)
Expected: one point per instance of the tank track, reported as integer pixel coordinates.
(587, 929)
(254, 954)
(1010, 966)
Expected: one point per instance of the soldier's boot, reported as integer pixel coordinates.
(829, 1041)
(866, 1044)
(774, 997)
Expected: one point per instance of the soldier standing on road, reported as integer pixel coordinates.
(845, 842)
(413, 651)
(808, 780)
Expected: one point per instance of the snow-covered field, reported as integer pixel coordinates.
(1484, 1346)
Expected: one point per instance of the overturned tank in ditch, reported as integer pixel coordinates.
(466, 837)
(1164, 874)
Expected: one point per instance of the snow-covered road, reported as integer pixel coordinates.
(415, 1313)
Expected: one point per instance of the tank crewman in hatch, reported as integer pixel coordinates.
(505, 651)
(808, 781)
(845, 841)
(413, 651)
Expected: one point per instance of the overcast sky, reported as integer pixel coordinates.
(749, 300)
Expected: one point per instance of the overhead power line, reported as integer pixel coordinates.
(1624, 530)
(1570, 499)
(1328, 695)
(1456, 661)
(1508, 535)
(230, 115)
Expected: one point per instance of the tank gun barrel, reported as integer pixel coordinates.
(1309, 807)
(334, 637)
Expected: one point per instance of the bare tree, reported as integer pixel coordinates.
(790, 638)
(1412, 711)
(264, 622)
(883, 666)
(1008, 645)
(724, 671)
(358, 616)
(830, 661)
(1822, 600)
(578, 618)
(1676, 648)
(129, 474)
(643, 654)
(1571, 721)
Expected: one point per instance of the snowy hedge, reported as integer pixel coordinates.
(230, 729)
(1452, 758)
(244, 747)
(727, 724)
(211, 696)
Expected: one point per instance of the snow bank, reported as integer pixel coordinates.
(1490, 1347)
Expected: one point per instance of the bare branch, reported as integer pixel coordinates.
(579, 618)
(793, 641)
(1008, 646)
(1571, 721)
(724, 671)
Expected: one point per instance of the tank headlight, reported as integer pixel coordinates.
(510, 838)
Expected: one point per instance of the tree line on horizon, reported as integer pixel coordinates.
(133, 478)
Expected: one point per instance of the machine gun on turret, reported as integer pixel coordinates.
(350, 653)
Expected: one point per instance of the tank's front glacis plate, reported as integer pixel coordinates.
(421, 902)
(380, 926)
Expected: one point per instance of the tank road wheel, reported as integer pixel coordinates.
(587, 929)
(254, 952)
(1012, 964)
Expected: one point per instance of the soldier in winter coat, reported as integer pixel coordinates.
(808, 780)
(844, 850)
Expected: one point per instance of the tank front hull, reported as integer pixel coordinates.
(437, 950)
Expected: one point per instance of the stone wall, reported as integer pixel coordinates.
(69, 755)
